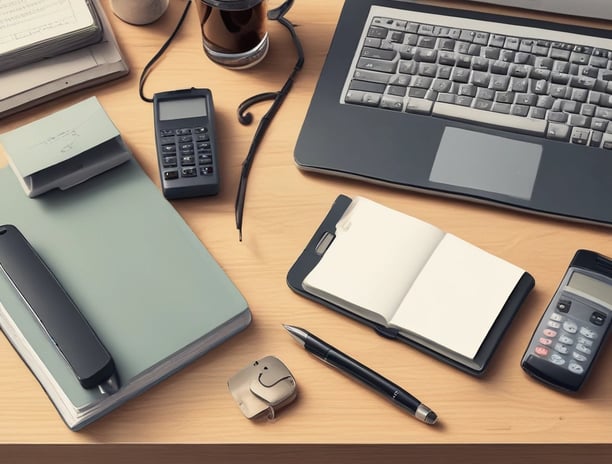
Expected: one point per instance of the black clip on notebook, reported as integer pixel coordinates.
(518, 284)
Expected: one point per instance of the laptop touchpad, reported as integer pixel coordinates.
(486, 162)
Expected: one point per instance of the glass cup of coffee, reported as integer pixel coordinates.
(234, 31)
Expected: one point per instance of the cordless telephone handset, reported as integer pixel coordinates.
(185, 143)
(574, 326)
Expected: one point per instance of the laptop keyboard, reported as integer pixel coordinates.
(545, 83)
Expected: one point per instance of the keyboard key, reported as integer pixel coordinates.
(362, 98)
(392, 103)
(372, 76)
(511, 122)
(417, 105)
(364, 86)
(377, 65)
(378, 32)
(558, 131)
(378, 53)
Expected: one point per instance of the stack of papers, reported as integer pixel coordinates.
(35, 83)
(31, 30)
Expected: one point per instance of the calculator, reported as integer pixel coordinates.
(185, 143)
(575, 325)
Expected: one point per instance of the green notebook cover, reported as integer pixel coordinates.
(154, 295)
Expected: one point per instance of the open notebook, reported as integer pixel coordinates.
(412, 281)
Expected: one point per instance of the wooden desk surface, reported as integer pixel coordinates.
(503, 416)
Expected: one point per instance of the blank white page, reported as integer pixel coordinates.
(375, 257)
(457, 296)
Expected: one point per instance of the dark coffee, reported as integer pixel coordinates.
(233, 35)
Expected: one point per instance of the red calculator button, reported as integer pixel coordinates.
(541, 351)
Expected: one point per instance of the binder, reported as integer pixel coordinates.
(475, 365)
(154, 295)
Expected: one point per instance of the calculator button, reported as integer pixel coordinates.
(578, 356)
(166, 132)
(169, 148)
(556, 317)
(166, 140)
(169, 175)
(583, 349)
(598, 318)
(200, 130)
(588, 333)
(545, 341)
(570, 327)
(185, 131)
(201, 146)
(550, 333)
(566, 340)
(553, 324)
(557, 359)
(585, 341)
(561, 348)
(206, 171)
(202, 138)
(189, 172)
(564, 305)
(184, 138)
(541, 350)
(575, 368)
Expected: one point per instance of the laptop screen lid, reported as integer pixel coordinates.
(601, 9)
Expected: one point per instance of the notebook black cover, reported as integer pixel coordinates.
(309, 259)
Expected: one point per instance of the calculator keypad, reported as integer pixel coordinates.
(186, 153)
(568, 342)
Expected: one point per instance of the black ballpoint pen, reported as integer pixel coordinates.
(355, 369)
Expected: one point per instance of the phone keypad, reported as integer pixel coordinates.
(186, 152)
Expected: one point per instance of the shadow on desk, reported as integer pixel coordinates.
(277, 454)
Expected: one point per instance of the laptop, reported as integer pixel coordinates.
(492, 108)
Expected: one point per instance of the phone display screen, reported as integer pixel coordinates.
(182, 108)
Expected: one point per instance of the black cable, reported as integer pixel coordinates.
(245, 117)
(147, 68)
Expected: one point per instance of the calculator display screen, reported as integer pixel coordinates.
(591, 286)
(182, 108)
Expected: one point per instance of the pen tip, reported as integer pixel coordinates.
(431, 418)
